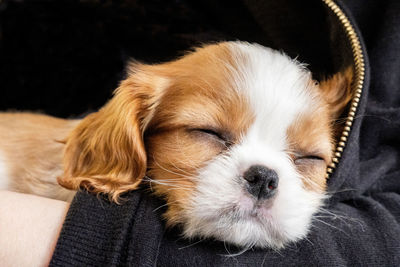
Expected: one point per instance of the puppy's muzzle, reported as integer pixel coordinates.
(262, 181)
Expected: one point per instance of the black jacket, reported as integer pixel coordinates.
(363, 228)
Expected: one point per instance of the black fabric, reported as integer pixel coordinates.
(97, 232)
(89, 56)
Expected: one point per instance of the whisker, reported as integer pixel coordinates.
(191, 245)
(230, 254)
(332, 226)
(171, 185)
(334, 216)
(183, 171)
(166, 204)
(167, 182)
(167, 170)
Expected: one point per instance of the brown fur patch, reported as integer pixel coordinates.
(32, 148)
(166, 104)
(310, 135)
(337, 92)
(201, 96)
(315, 133)
(105, 152)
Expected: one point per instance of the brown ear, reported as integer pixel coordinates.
(105, 153)
(337, 91)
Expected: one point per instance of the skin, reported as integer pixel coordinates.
(33, 243)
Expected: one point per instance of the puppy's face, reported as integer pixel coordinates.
(236, 138)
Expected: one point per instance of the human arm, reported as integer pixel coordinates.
(29, 228)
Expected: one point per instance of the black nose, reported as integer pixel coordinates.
(262, 182)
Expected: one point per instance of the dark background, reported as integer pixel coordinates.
(65, 58)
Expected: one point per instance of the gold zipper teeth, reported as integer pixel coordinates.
(357, 84)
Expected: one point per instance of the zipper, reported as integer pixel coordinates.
(357, 84)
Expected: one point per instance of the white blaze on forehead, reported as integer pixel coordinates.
(276, 87)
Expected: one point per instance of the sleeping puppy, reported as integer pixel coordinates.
(235, 137)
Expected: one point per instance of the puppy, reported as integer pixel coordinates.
(235, 137)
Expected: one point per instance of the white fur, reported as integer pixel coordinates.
(276, 88)
(4, 178)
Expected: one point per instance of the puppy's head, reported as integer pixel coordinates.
(236, 137)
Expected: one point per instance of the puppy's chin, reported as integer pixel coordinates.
(221, 207)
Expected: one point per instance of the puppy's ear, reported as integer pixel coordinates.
(105, 153)
(337, 91)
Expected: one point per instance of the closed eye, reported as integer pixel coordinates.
(314, 157)
(309, 159)
(211, 132)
